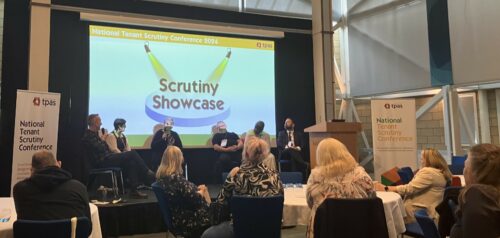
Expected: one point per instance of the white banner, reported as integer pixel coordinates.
(36, 128)
(394, 127)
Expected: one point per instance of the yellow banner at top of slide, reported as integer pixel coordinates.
(145, 35)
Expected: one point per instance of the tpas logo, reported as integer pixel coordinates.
(44, 102)
(36, 101)
(393, 106)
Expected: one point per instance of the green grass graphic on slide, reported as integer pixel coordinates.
(191, 140)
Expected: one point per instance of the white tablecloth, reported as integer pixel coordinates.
(7, 206)
(296, 211)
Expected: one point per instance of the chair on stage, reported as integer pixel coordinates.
(61, 228)
(291, 177)
(162, 202)
(351, 218)
(257, 216)
(115, 174)
(224, 176)
(427, 224)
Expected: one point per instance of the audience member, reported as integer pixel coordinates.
(162, 139)
(479, 201)
(252, 178)
(337, 175)
(101, 156)
(50, 193)
(258, 132)
(426, 189)
(116, 140)
(290, 147)
(188, 204)
(228, 146)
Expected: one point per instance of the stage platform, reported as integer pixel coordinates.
(136, 216)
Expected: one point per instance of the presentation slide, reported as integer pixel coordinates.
(147, 76)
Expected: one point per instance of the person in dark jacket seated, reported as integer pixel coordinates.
(479, 201)
(50, 193)
(228, 146)
(162, 139)
(290, 146)
(101, 156)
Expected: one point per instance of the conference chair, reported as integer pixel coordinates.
(224, 176)
(282, 161)
(115, 174)
(413, 229)
(52, 228)
(447, 215)
(291, 177)
(257, 216)
(350, 218)
(406, 174)
(427, 224)
(457, 164)
(163, 203)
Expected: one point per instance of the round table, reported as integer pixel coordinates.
(296, 211)
(7, 207)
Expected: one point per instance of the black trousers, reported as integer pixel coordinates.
(296, 161)
(225, 163)
(131, 163)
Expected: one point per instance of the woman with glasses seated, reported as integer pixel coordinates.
(252, 178)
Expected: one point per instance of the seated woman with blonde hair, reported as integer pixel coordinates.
(479, 201)
(188, 204)
(253, 178)
(426, 189)
(337, 175)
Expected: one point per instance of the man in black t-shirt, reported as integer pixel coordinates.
(228, 145)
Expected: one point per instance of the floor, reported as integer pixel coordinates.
(294, 232)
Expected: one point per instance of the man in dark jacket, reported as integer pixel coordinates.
(97, 150)
(290, 148)
(50, 193)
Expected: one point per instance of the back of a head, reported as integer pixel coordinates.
(43, 159)
(333, 157)
(485, 164)
(435, 160)
(255, 150)
(171, 162)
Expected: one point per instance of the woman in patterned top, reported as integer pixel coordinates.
(252, 178)
(187, 203)
(337, 175)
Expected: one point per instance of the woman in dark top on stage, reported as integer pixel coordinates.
(187, 202)
(162, 139)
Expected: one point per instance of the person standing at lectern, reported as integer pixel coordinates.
(290, 147)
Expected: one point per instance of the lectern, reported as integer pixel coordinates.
(346, 132)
